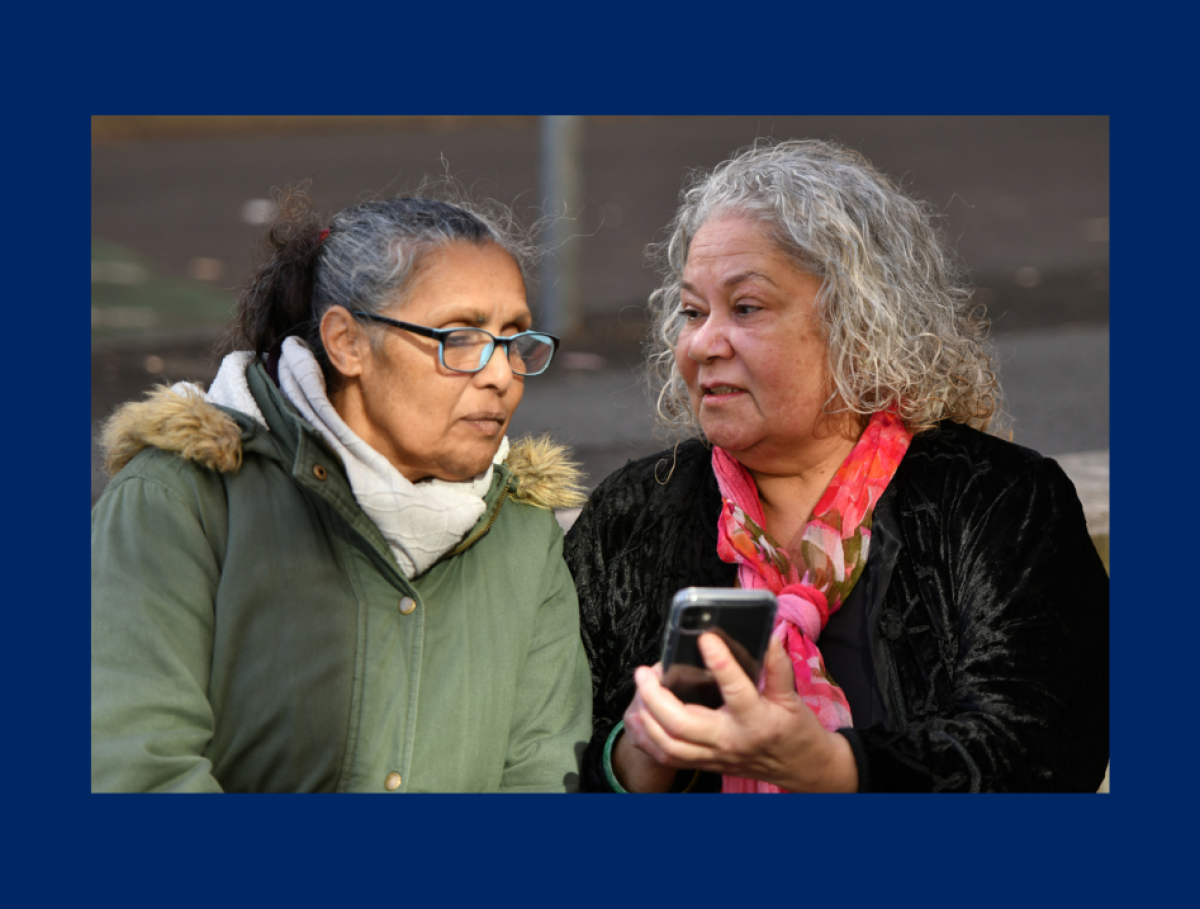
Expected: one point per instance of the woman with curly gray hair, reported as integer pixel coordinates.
(942, 613)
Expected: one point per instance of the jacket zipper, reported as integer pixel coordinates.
(470, 541)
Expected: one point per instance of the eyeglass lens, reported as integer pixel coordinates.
(468, 350)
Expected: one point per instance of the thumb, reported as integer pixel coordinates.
(779, 678)
(737, 689)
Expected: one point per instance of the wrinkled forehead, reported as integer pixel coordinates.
(475, 284)
(735, 245)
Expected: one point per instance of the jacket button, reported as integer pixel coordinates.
(407, 605)
(393, 781)
(319, 472)
(891, 626)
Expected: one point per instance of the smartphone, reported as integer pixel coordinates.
(743, 619)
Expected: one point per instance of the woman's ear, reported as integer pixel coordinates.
(344, 341)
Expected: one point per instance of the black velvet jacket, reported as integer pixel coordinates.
(981, 618)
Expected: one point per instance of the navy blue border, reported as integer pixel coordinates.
(587, 850)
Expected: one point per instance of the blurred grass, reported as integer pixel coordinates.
(131, 299)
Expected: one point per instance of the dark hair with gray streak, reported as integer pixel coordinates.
(898, 322)
(364, 258)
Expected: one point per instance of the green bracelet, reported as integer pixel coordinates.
(608, 768)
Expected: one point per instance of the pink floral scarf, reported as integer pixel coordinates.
(811, 585)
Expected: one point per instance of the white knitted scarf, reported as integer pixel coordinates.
(421, 521)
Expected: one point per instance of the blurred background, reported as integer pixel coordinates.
(178, 205)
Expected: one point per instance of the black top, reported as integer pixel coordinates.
(973, 650)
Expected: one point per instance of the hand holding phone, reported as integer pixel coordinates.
(743, 619)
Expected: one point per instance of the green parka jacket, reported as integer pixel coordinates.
(252, 632)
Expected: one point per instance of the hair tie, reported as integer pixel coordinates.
(324, 234)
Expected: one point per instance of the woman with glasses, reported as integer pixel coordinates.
(943, 614)
(332, 571)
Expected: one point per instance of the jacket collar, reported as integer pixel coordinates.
(537, 472)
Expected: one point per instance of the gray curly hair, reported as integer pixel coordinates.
(898, 322)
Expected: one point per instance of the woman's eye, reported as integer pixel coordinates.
(465, 339)
(744, 309)
(688, 314)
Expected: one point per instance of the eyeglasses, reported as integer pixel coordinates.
(470, 349)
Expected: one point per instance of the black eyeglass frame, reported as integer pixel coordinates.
(440, 334)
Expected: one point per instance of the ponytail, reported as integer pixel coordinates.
(277, 300)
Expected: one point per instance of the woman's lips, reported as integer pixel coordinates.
(717, 394)
(486, 423)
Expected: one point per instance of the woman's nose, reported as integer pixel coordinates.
(497, 371)
(710, 339)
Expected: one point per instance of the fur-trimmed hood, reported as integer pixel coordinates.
(181, 420)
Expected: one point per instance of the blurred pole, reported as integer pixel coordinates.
(561, 151)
